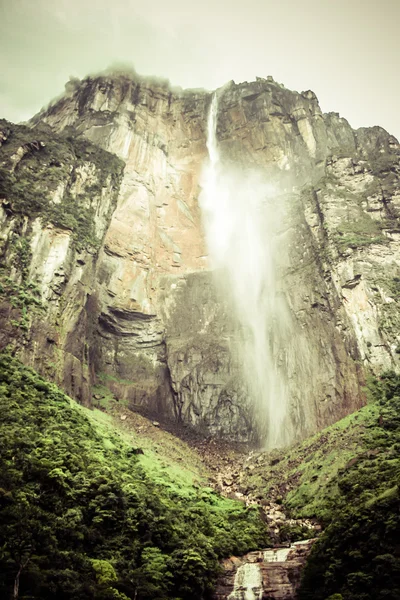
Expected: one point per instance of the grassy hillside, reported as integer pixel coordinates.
(92, 510)
(83, 515)
(358, 555)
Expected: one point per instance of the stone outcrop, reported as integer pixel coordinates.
(141, 309)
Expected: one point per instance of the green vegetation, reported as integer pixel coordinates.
(347, 477)
(358, 555)
(166, 459)
(28, 185)
(394, 286)
(361, 231)
(389, 315)
(82, 515)
(305, 478)
(383, 164)
(23, 295)
(355, 227)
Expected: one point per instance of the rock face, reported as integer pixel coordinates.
(139, 309)
(57, 197)
(264, 575)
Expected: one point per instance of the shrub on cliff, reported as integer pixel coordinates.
(51, 164)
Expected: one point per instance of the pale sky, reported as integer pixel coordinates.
(346, 51)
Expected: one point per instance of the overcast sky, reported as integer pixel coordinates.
(346, 51)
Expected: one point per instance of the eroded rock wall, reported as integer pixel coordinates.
(57, 196)
(155, 230)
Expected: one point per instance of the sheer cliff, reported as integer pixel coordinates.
(119, 287)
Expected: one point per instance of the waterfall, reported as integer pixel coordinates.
(240, 219)
(248, 583)
(277, 554)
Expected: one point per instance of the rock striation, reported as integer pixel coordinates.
(133, 302)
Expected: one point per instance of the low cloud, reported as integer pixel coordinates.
(345, 52)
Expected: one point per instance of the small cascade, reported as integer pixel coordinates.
(276, 554)
(248, 583)
(273, 573)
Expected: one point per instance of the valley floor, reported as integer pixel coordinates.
(105, 504)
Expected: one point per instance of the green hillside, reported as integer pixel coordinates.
(83, 515)
(347, 477)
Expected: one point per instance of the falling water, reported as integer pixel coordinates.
(248, 583)
(239, 220)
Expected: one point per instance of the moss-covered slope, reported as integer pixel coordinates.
(83, 515)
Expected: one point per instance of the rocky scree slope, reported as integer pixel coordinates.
(160, 334)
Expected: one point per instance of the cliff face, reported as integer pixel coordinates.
(58, 195)
(140, 308)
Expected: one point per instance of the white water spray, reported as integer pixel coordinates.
(239, 220)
